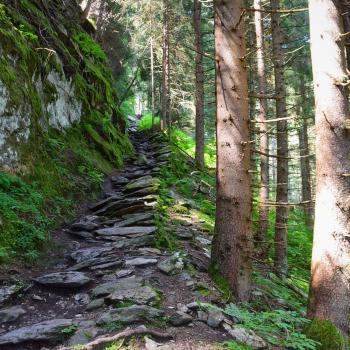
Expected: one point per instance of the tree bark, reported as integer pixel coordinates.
(152, 82)
(281, 230)
(329, 289)
(305, 168)
(199, 84)
(86, 11)
(264, 139)
(232, 245)
(164, 98)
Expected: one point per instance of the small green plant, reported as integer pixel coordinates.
(89, 46)
(70, 330)
(145, 122)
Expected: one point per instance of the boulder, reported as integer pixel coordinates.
(138, 295)
(50, 331)
(68, 279)
(89, 253)
(180, 318)
(110, 287)
(11, 314)
(172, 265)
(143, 182)
(131, 314)
(134, 219)
(215, 317)
(244, 336)
(7, 292)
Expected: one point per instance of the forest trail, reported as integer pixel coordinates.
(112, 276)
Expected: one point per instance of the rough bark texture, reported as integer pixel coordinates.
(165, 81)
(232, 246)
(330, 291)
(305, 168)
(281, 241)
(199, 84)
(263, 127)
(345, 9)
(152, 81)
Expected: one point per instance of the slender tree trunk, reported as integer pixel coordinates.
(152, 81)
(345, 8)
(165, 67)
(87, 9)
(168, 101)
(263, 126)
(330, 269)
(232, 245)
(199, 84)
(305, 168)
(281, 230)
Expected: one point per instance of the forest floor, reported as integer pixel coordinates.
(138, 256)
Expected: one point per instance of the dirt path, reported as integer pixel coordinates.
(113, 277)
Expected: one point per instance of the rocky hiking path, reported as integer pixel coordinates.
(113, 277)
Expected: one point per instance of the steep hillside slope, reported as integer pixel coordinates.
(60, 129)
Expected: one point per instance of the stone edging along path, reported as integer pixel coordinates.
(114, 277)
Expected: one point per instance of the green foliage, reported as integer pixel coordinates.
(278, 327)
(89, 47)
(146, 122)
(325, 333)
(232, 345)
(70, 330)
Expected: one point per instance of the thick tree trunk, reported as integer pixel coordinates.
(281, 230)
(330, 269)
(164, 98)
(232, 246)
(152, 81)
(199, 84)
(263, 126)
(305, 168)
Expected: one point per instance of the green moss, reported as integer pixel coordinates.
(325, 333)
(220, 282)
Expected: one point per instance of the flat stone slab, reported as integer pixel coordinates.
(127, 315)
(11, 314)
(47, 331)
(108, 288)
(68, 279)
(90, 263)
(171, 265)
(89, 253)
(101, 204)
(127, 231)
(134, 219)
(143, 182)
(139, 295)
(141, 262)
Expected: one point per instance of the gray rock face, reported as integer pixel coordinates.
(67, 279)
(134, 242)
(48, 331)
(7, 292)
(215, 317)
(244, 336)
(135, 231)
(141, 262)
(134, 219)
(95, 304)
(11, 314)
(172, 265)
(180, 319)
(126, 315)
(146, 181)
(91, 263)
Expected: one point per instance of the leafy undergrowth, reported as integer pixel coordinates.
(145, 122)
(61, 175)
(277, 309)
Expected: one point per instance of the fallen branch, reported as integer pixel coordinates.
(99, 342)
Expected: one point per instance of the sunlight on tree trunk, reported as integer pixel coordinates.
(329, 289)
(232, 246)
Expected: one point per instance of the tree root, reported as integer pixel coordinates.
(102, 341)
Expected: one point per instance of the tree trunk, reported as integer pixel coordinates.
(232, 245)
(152, 81)
(199, 84)
(330, 290)
(281, 229)
(86, 11)
(345, 9)
(164, 98)
(305, 168)
(263, 126)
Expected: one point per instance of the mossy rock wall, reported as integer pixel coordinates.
(53, 75)
(60, 129)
